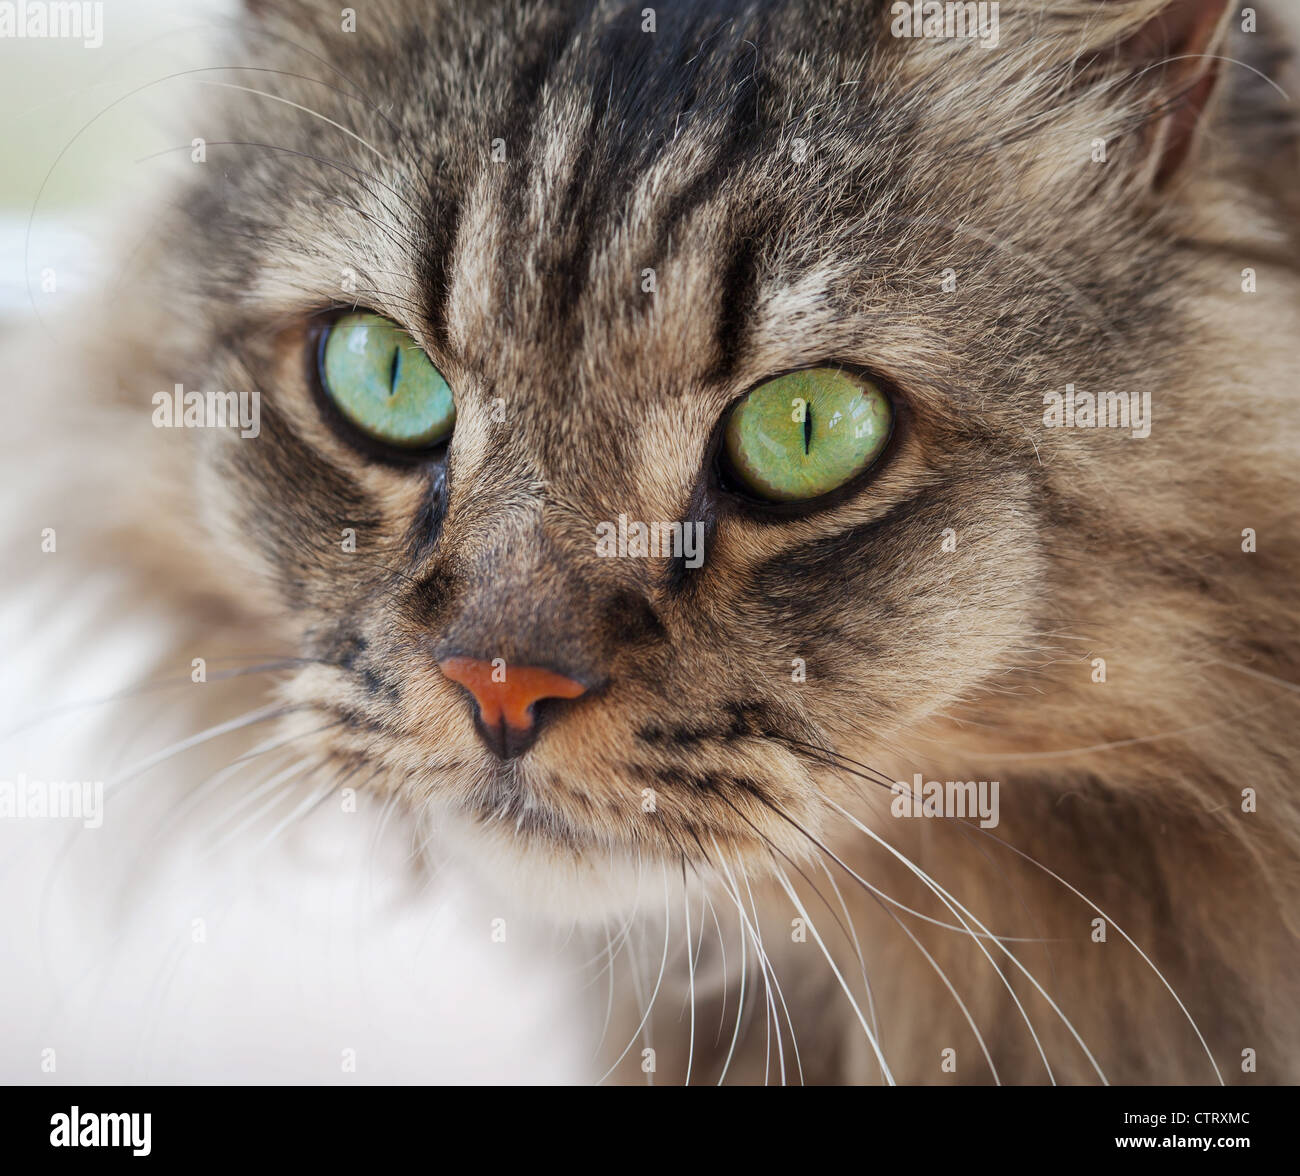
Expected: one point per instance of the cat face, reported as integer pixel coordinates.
(604, 238)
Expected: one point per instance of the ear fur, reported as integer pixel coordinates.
(1166, 53)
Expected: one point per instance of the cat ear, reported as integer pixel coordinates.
(1174, 59)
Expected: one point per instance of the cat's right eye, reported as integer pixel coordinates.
(383, 384)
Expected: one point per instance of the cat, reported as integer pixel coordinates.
(607, 225)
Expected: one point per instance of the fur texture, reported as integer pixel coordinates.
(498, 178)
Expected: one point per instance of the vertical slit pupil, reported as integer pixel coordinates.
(394, 370)
(807, 428)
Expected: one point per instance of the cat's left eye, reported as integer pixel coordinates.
(383, 384)
(803, 435)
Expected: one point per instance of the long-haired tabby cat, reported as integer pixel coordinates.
(953, 380)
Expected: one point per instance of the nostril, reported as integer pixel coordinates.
(505, 698)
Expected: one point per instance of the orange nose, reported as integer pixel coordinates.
(505, 695)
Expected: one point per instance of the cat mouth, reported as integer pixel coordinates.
(511, 802)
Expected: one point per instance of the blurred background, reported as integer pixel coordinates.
(82, 128)
(246, 939)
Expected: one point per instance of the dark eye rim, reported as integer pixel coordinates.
(318, 331)
(728, 488)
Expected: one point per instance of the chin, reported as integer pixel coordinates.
(544, 875)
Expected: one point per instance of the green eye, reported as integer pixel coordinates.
(803, 435)
(384, 384)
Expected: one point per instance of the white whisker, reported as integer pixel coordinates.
(955, 907)
(297, 106)
(780, 876)
(690, 969)
(663, 964)
(1145, 958)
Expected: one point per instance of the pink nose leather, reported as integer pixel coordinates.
(505, 707)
